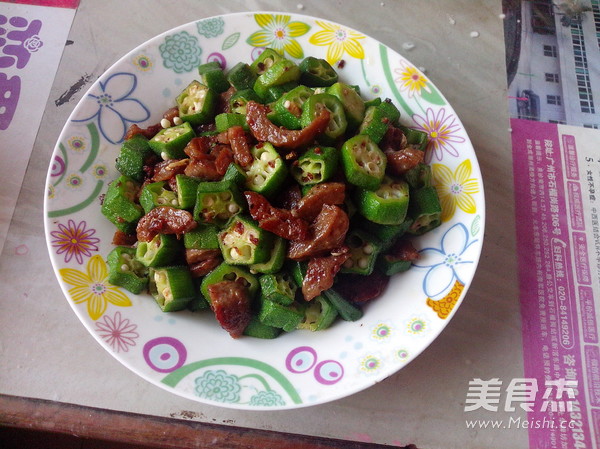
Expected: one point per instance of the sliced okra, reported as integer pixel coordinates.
(226, 120)
(281, 72)
(286, 317)
(387, 205)
(337, 121)
(279, 287)
(415, 137)
(157, 194)
(276, 259)
(203, 236)
(227, 272)
(288, 108)
(240, 99)
(217, 202)
(346, 310)
(257, 329)
(162, 250)
(319, 314)
(243, 242)
(212, 76)
(354, 105)
(274, 93)
(419, 176)
(375, 123)
(241, 76)
(120, 206)
(390, 111)
(265, 61)
(363, 162)
(132, 157)
(197, 103)
(364, 249)
(317, 164)
(187, 190)
(172, 287)
(235, 174)
(386, 234)
(169, 143)
(125, 271)
(298, 271)
(267, 172)
(389, 265)
(425, 210)
(316, 72)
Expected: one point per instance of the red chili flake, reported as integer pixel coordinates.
(271, 164)
(239, 227)
(253, 239)
(260, 144)
(341, 63)
(318, 150)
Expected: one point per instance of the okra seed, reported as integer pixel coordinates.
(259, 180)
(126, 256)
(208, 201)
(265, 156)
(164, 156)
(177, 121)
(124, 267)
(287, 104)
(174, 202)
(368, 249)
(165, 123)
(363, 262)
(225, 196)
(161, 200)
(233, 208)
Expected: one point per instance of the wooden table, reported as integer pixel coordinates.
(55, 377)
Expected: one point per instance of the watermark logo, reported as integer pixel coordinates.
(557, 395)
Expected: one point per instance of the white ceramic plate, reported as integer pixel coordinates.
(189, 354)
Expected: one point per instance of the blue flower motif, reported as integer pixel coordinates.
(180, 52)
(113, 108)
(211, 27)
(267, 398)
(452, 261)
(218, 386)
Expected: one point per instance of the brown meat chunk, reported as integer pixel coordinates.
(266, 131)
(164, 220)
(399, 162)
(122, 239)
(309, 206)
(321, 272)
(328, 232)
(358, 289)
(148, 133)
(230, 301)
(200, 269)
(280, 222)
(239, 145)
(165, 170)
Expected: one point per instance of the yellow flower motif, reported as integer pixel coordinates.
(340, 40)
(455, 189)
(278, 33)
(93, 288)
(410, 80)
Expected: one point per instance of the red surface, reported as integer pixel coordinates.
(73, 4)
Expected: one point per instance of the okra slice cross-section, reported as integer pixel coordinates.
(267, 171)
(156, 194)
(172, 287)
(317, 164)
(169, 143)
(125, 271)
(243, 242)
(217, 202)
(119, 204)
(364, 249)
(197, 104)
(387, 205)
(425, 209)
(337, 117)
(363, 162)
(158, 252)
